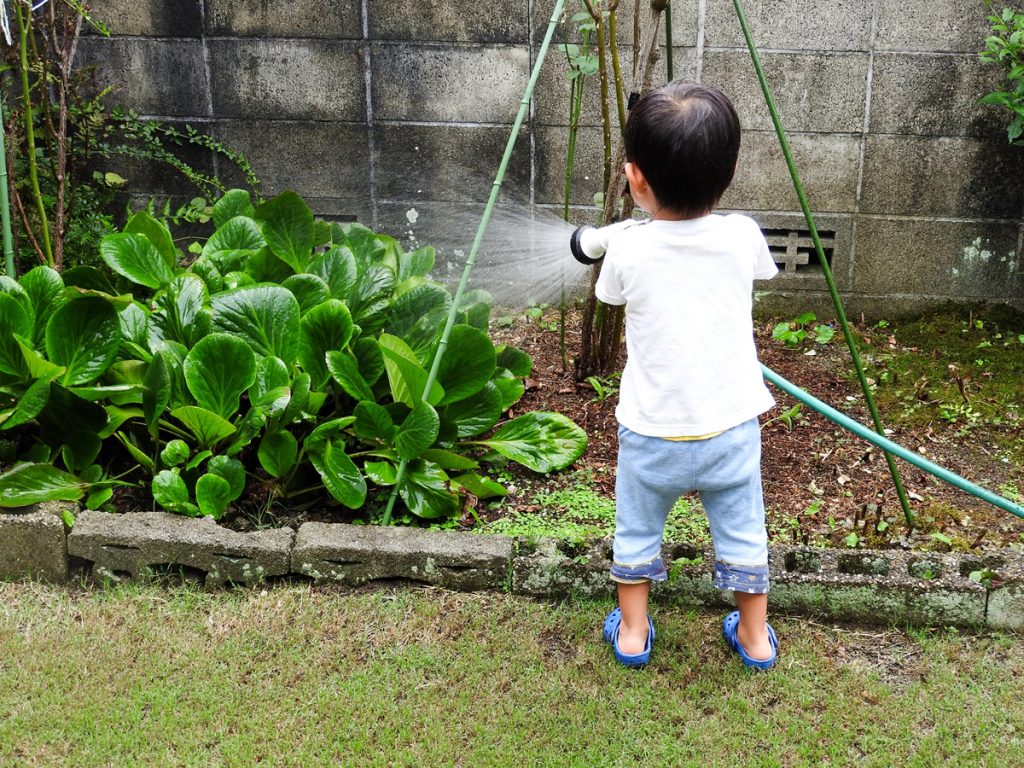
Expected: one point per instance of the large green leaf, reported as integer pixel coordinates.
(84, 337)
(182, 312)
(218, 370)
(341, 477)
(171, 493)
(407, 378)
(14, 320)
(271, 390)
(475, 414)
(309, 290)
(25, 484)
(468, 363)
(66, 412)
(480, 486)
(427, 493)
(157, 394)
(265, 316)
(345, 370)
(235, 202)
(135, 257)
(145, 224)
(45, 288)
(208, 427)
(213, 495)
(517, 361)
(418, 432)
(371, 359)
(510, 386)
(337, 267)
(231, 470)
(418, 315)
(370, 295)
(29, 405)
(134, 321)
(234, 241)
(328, 430)
(325, 328)
(373, 423)
(277, 452)
(543, 442)
(287, 225)
(416, 263)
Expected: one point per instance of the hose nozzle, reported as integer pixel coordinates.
(589, 244)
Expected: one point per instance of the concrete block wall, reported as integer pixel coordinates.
(369, 108)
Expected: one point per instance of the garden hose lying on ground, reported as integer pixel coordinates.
(889, 446)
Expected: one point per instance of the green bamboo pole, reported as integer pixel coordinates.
(889, 446)
(499, 177)
(24, 23)
(825, 268)
(5, 204)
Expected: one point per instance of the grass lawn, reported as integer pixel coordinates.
(307, 676)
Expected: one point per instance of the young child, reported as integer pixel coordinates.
(692, 389)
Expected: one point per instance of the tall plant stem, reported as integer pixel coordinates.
(24, 21)
(499, 177)
(5, 203)
(851, 342)
(597, 14)
(613, 41)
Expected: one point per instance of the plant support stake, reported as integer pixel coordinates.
(499, 177)
(825, 268)
(5, 204)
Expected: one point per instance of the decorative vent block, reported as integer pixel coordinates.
(793, 250)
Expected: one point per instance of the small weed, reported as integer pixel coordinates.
(604, 386)
(983, 576)
(795, 333)
(790, 418)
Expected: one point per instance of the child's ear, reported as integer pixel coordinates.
(635, 177)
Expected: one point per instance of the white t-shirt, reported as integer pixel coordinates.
(691, 365)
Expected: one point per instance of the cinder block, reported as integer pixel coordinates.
(282, 79)
(960, 260)
(137, 545)
(355, 554)
(941, 176)
(152, 76)
(33, 544)
(934, 95)
(551, 147)
(447, 162)
(827, 164)
(550, 568)
(685, 14)
(444, 21)
(822, 92)
(1006, 607)
(315, 159)
(156, 18)
(931, 25)
(831, 25)
(298, 18)
(456, 83)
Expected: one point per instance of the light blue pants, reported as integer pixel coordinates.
(725, 470)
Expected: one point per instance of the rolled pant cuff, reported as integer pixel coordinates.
(741, 578)
(638, 573)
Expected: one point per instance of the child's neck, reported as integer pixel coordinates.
(663, 214)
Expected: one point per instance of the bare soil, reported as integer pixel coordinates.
(820, 482)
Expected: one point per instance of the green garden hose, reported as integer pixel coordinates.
(825, 268)
(889, 446)
(499, 177)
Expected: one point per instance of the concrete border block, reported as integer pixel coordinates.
(33, 544)
(552, 568)
(356, 554)
(143, 544)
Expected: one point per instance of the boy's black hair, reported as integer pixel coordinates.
(685, 138)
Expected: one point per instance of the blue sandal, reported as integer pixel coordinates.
(729, 626)
(611, 636)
